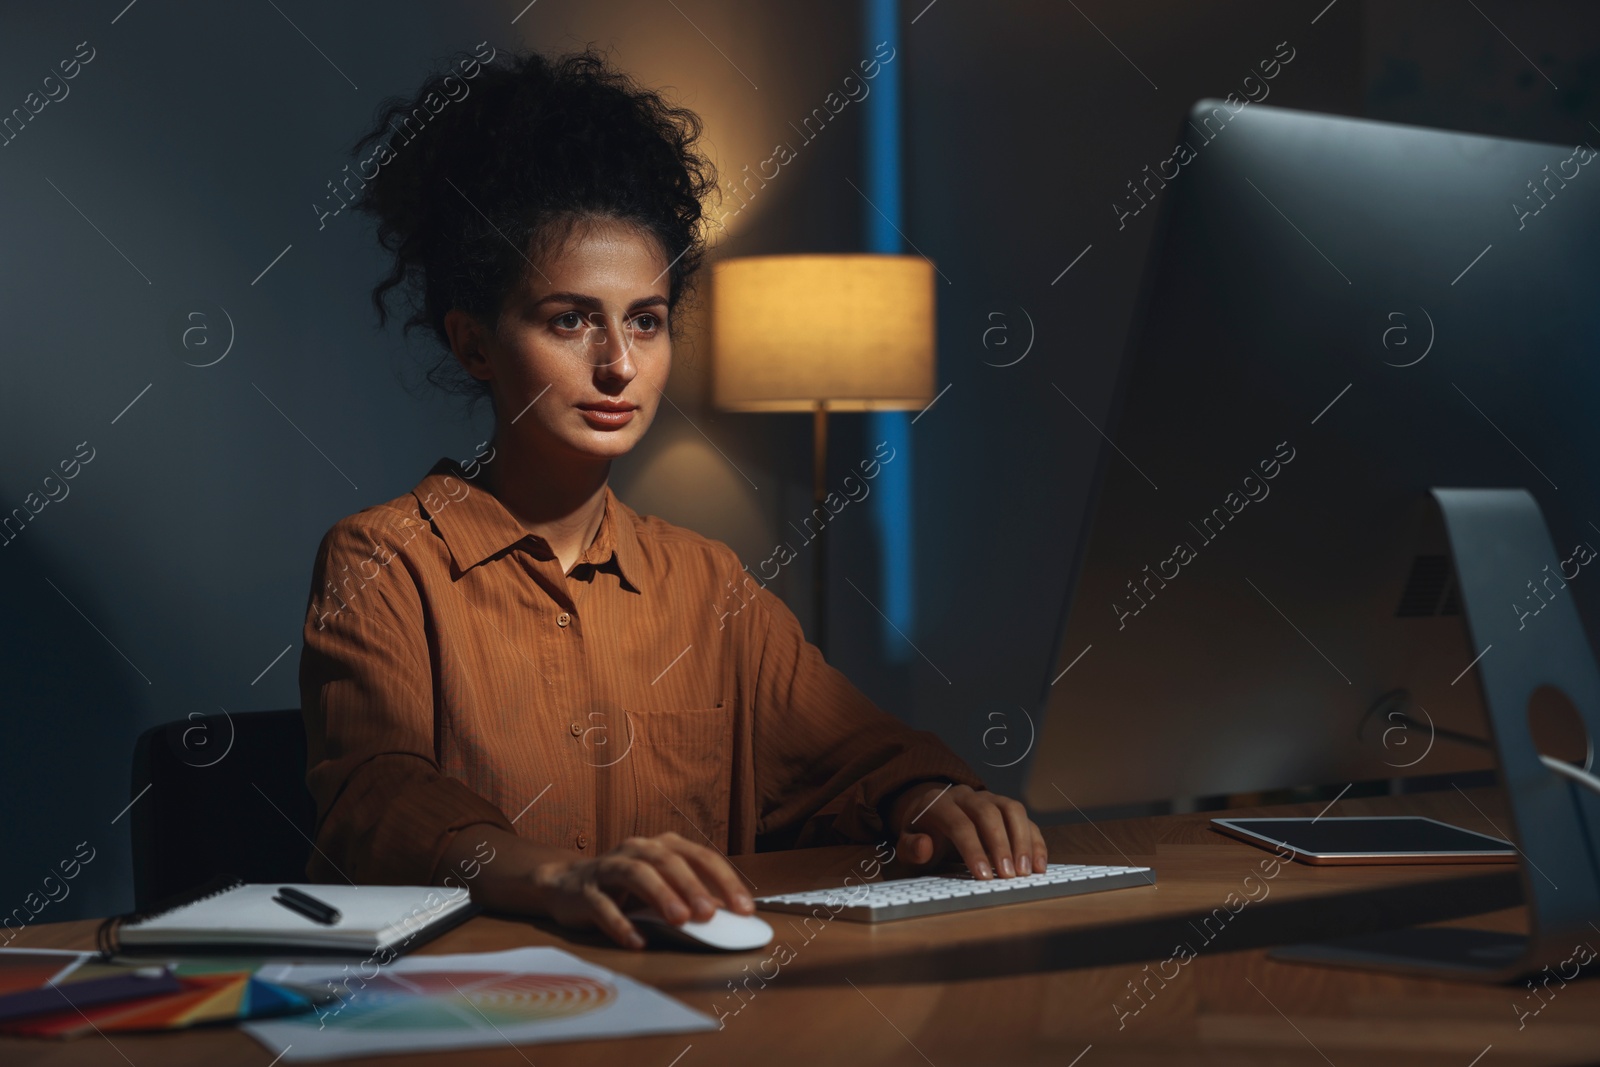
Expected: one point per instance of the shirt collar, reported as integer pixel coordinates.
(476, 526)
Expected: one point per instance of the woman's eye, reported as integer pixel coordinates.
(571, 320)
(646, 322)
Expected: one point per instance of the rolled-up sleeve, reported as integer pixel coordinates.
(385, 811)
(826, 757)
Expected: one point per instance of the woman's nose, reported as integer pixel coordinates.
(610, 350)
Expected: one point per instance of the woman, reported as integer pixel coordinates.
(510, 677)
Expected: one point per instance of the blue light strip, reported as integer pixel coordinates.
(893, 508)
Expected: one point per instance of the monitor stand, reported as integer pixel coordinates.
(1530, 646)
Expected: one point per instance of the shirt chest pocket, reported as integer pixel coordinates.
(682, 773)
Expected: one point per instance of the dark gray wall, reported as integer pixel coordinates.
(190, 150)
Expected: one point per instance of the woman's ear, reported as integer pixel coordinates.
(469, 342)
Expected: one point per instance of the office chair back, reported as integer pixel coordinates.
(220, 794)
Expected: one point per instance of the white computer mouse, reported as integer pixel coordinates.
(726, 931)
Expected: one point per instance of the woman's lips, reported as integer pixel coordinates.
(605, 418)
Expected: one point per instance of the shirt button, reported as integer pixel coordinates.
(583, 840)
(563, 619)
(577, 730)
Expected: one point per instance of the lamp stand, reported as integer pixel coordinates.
(819, 490)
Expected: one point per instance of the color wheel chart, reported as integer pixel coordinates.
(435, 1000)
(439, 1003)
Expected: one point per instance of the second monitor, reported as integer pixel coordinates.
(1337, 315)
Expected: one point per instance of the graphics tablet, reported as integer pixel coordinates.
(1381, 839)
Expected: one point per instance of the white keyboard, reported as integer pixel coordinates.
(906, 898)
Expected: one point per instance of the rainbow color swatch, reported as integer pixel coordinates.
(430, 1000)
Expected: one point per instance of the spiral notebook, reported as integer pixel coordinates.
(239, 917)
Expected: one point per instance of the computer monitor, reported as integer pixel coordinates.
(1337, 315)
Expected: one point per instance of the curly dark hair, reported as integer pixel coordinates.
(504, 172)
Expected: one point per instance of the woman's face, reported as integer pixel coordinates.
(582, 350)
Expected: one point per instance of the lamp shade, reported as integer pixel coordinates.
(853, 332)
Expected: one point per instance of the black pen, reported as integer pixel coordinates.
(307, 905)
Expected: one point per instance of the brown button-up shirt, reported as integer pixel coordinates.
(453, 675)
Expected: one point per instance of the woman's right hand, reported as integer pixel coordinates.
(669, 874)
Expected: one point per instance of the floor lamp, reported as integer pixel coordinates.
(821, 333)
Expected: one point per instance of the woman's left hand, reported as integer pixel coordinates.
(991, 833)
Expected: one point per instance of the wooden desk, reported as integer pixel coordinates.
(1042, 983)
